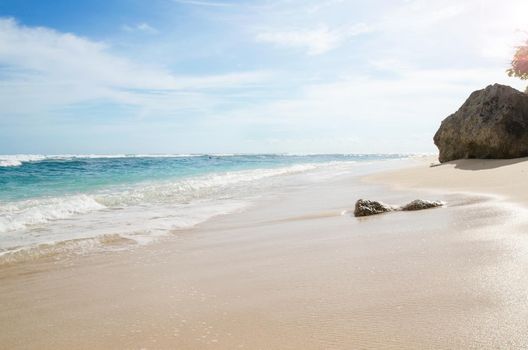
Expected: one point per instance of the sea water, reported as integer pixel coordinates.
(72, 203)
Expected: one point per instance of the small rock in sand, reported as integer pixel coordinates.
(420, 204)
(366, 207)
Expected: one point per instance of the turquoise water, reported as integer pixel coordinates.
(61, 175)
(52, 204)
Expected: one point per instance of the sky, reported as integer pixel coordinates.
(263, 76)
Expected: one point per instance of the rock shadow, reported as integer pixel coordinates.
(483, 164)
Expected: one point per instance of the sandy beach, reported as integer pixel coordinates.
(503, 178)
(263, 175)
(299, 272)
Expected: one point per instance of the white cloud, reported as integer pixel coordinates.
(366, 113)
(141, 27)
(44, 69)
(314, 41)
(472, 29)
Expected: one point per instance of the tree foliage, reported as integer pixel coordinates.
(519, 63)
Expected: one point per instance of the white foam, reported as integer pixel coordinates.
(26, 214)
(66, 247)
(18, 159)
(200, 187)
(20, 215)
(144, 212)
(10, 162)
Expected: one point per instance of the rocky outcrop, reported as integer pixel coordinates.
(365, 207)
(420, 204)
(492, 123)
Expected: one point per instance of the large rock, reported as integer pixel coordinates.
(365, 207)
(492, 123)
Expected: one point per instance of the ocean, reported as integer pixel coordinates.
(64, 204)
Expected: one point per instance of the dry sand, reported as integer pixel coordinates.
(505, 178)
(292, 273)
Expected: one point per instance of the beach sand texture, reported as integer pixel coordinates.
(294, 273)
(504, 178)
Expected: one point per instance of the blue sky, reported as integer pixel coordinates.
(180, 76)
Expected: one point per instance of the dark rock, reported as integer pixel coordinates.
(492, 123)
(366, 207)
(419, 204)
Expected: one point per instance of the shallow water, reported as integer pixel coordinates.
(64, 203)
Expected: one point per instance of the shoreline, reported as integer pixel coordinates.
(113, 228)
(291, 273)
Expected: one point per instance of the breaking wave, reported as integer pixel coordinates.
(19, 159)
(66, 213)
(20, 215)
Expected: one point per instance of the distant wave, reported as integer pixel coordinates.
(18, 159)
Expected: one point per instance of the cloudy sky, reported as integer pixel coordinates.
(180, 76)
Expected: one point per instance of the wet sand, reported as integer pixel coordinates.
(292, 273)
